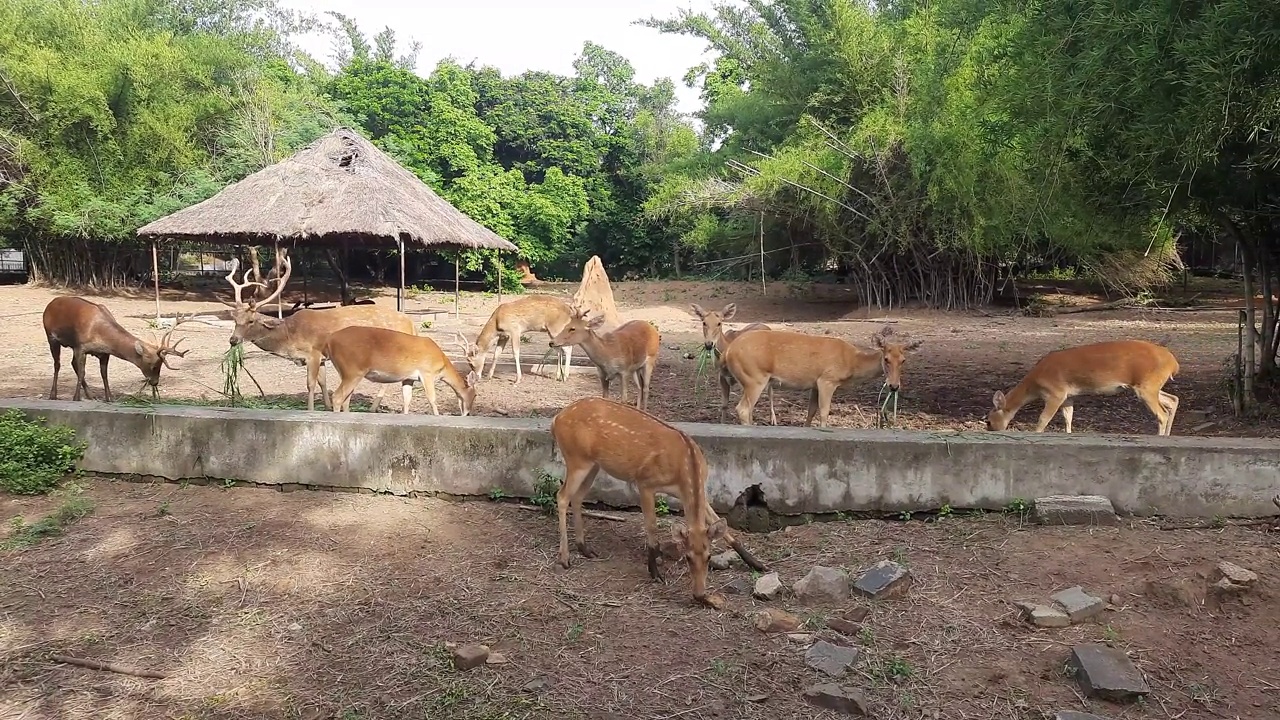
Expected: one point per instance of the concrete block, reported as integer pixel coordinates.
(1107, 673)
(883, 580)
(1075, 510)
(1078, 604)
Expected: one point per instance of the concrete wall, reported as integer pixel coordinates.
(800, 470)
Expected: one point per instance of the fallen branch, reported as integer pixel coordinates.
(1097, 307)
(588, 513)
(110, 667)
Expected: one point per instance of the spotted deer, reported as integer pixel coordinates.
(512, 319)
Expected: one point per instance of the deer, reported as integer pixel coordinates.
(715, 339)
(89, 328)
(1097, 369)
(301, 336)
(511, 320)
(388, 356)
(594, 434)
(819, 364)
(630, 350)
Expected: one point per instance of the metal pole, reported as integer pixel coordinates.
(400, 290)
(155, 275)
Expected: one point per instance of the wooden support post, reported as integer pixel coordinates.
(279, 271)
(155, 275)
(764, 289)
(457, 293)
(400, 290)
(498, 261)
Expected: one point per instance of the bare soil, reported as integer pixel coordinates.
(259, 604)
(947, 385)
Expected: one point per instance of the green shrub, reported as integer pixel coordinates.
(34, 457)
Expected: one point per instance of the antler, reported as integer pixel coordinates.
(166, 349)
(281, 280)
(463, 343)
(239, 287)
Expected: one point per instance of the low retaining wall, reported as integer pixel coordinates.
(799, 470)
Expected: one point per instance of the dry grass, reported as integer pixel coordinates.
(315, 605)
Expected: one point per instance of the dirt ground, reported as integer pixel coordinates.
(948, 384)
(260, 604)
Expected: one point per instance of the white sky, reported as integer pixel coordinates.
(518, 35)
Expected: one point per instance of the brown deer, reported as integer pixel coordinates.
(633, 446)
(89, 328)
(629, 351)
(511, 320)
(389, 356)
(715, 339)
(301, 336)
(1098, 369)
(819, 364)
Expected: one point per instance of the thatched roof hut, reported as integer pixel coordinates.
(341, 191)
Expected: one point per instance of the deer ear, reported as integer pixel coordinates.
(717, 530)
(472, 378)
(680, 534)
(595, 322)
(914, 345)
(878, 341)
(729, 311)
(697, 310)
(998, 400)
(139, 348)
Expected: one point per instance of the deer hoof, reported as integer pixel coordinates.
(585, 551)
(563, 563)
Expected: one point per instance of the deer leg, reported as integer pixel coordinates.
(648, 500)
(623, 380)
(604, 383)
(515, 350)
(1151, 397)
(106, 386)
(313, 377)
(825, 392)
(1170, 403)
(1068, 409)
(579, 525)
(575, 474)
(773, 415)
(429, 388)
(77, 364)
(567, 352)
(750, 396)
(342, 396)
(1051, 405)
(406, 395)
(497, 351)
(726, 380)
(813, 406)
(56, 351)
(649, 365)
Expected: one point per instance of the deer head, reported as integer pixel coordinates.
(713, 322)
(892, 356)
(153, 355)
(250, 324)
(582, 323)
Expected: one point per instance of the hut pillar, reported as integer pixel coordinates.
(400, 290)
(456, 293)
(155, 276)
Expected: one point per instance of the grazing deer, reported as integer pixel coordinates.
(715, 338)
(90, 329)
(631, 350)
(819, 364)
(1097, 369)
(389, 356)
(633, 446)
(301, 336)
(509, 321)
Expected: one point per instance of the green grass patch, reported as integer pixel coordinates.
(73, 506)
(35, 456)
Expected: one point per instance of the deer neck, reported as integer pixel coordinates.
(1017, 397)
(864, 363)
(602, 349)
(488, 333)
(279, 338)
(121, 343)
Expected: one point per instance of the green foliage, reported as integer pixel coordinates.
(72, 507)
(35, 456)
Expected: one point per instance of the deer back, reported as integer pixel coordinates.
(311, 328)
(535, 312)
(630, 445)
(797, 359)
(1103, 366)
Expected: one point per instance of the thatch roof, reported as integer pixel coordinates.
(339, 190)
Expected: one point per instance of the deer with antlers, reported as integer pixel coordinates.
(594, 434)
(389, 356)
(1102, 368)
(301, 336)
(715, 339)
(89, 328)
(511, 320)
(628, 351)
(819, 364)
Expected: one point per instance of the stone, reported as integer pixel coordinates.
(844, 627)
(715, 601)
(1234, 574)
(773, 620)
(1043, 615)
(1075, 510)
(822, 586)
(496, 659)
(671, 550)
(1075, 715)
(536, 685)
(1078, 604)
(725, 560)
(883, 580)
(831, 696)
(741, 585)
(1107, 673)
(831, 659)
(466, 657)
(801, 638)
(768, 586)
(857, 614)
